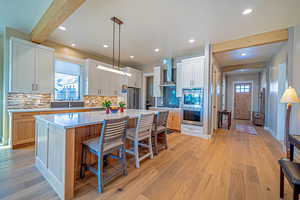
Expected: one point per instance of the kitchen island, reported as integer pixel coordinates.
(58, 144)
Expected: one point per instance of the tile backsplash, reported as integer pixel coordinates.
(28, 100)
(96, 101)
(31, 100)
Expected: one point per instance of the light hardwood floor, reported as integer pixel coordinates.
(233, 165)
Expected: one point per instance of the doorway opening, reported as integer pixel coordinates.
(150, 100)
(252, 81)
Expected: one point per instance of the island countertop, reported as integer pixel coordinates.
(73, 120)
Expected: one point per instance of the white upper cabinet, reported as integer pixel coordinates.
(198, 75)
(44, 69)
(179, 80)
(22, 66)
(192, 72)
(157, 79)
(91, 78)
(135, 80)
(31, 67)
(101, 82)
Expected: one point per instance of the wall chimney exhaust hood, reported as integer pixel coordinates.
(168, 64)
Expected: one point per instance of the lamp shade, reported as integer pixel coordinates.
(290, 96)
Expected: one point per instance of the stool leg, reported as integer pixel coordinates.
(155, 144)
(166, 139)
(83, 162)
(296, 193)
(281, 184)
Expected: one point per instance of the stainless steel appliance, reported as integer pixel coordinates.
(133, 98)
(169, 75)
(192, 106)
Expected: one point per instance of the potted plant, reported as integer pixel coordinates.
(122, 106)
(106, 104)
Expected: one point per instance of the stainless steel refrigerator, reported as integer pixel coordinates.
(133, 98)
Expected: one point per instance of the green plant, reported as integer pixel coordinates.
(106, 104)
(122, 104)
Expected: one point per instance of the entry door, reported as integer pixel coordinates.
(242, 101)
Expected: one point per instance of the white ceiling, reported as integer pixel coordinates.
(169, 24)
(253, 55)
(243, 71)
(22, 14)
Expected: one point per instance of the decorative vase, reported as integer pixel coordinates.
(122, 109)
(107, 110)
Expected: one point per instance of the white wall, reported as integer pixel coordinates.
(295, 80)
(216, 92)
(263, 79)
(273, 107)
(1, 83)
(230, 79)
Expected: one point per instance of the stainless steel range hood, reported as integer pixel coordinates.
(168, 63)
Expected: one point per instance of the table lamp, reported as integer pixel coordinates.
(289, 96)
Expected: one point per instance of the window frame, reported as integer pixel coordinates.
(81, 80)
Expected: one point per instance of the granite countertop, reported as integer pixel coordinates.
(72, 120)
(49, 109)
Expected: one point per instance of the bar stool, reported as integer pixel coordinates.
(112, 139)
(141, 133)
(160, 128)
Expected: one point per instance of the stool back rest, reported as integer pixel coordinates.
(144, 125)
(162, 118)
(114, 130)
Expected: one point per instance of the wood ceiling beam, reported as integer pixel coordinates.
(247, 66)
(56, 14)
(254, 40)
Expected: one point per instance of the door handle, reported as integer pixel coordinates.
(32, 86)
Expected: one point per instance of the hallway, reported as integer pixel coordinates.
(233, 165)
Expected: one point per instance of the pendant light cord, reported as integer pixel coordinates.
(119, 22)
(119, 45)
(114, 44)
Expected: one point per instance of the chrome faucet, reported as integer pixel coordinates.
(70, 99)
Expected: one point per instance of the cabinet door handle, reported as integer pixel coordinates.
(36, 86)
(32, 86)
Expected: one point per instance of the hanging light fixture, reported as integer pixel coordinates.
(119, 23)
(118, 71)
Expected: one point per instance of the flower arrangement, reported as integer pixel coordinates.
(122, 106)
(106, 104)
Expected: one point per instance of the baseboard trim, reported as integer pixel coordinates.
(270, 130)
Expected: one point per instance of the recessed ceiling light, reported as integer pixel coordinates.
(132, 57)
(62, 28)
(156, 50)
(73, 45)
(243, 54)
(247, 11)
(191, 40)
(105, 46)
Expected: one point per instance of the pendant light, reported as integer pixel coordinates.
(119, 23)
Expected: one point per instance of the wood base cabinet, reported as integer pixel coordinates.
(174, 120)
(23, 126)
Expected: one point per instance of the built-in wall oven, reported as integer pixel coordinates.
(192, 106)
